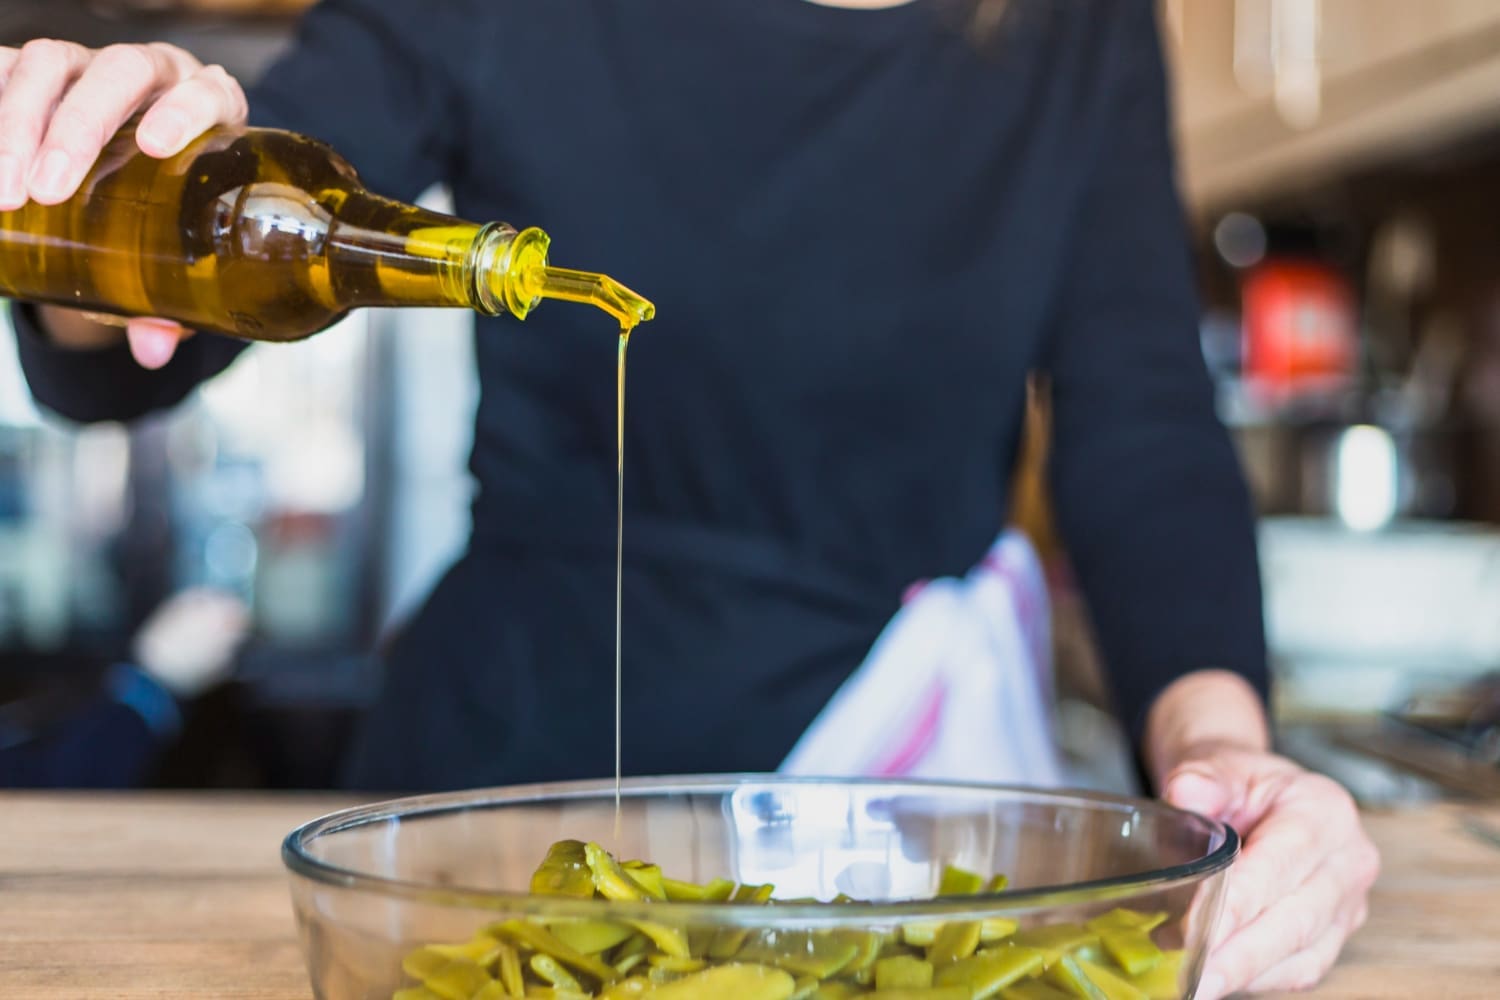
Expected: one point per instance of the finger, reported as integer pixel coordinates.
(1192, 788)
(116, 82)
(154, 341)
(8, 60)
(41, 72)
(1291, 925)
(1305, 969)
(207, 98)
(1279, 854)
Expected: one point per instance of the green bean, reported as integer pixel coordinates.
(953, 942)
(994, 929)
(1069, 975)
(1034, 989)
(1132, 950)
(565, 872)
(1112, 984)
(989, 973)
(610, 878)
(648, 877)
(1112, 956)
(552, 971)
(802, 954)
(1164, 982)
(450, 979)
(1056, 940)
(729, 982)
(590, 937)
(509, 968)
(715, 891)
(959, 882)
(902, 972)
(538, 938)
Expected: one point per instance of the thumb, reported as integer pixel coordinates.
(153, 341)
(1198, 787)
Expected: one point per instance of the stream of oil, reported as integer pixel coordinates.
(619, 546)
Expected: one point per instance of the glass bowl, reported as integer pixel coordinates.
(1107, 896)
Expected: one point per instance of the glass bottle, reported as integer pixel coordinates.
(269, 235)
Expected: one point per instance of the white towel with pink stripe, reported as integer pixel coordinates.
(957, 687)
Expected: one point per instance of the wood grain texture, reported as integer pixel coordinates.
(183, 896)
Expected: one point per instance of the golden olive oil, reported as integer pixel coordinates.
(619, 549)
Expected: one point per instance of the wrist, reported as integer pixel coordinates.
(75, 330)
(1199, 713)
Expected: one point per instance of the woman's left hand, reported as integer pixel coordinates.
(1301, 884)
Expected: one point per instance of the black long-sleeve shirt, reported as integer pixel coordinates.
(862, 228)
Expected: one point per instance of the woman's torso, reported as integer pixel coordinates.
(852, 224)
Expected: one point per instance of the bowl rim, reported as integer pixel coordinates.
(299, 862)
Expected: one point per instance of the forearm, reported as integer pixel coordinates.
(1203, 709)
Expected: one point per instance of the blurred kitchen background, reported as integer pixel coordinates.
(1341, 161)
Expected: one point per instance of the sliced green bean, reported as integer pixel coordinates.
(729, 982)
(648, 877)
(1113, 985)
(989, 973)
(1111, 957)
(1033, 989)
(902, 972)
(1055, 939)
(802, 954)
(538, 938)
(551, 970)
(959, 882)
(1069, 975)
(564, 872)
(508, 967)
(1132, 950)
(1164, 982)
(954, 941)
(590, 937)
(610, 879)
(1122, 919)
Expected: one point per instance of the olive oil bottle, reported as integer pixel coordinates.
(268, 235)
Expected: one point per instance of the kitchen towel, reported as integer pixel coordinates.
(958, 686)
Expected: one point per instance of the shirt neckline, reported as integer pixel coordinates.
(873, 23)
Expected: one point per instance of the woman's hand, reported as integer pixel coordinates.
(60, 103)
(1301, 885)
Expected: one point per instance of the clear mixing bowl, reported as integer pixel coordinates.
(372, 886)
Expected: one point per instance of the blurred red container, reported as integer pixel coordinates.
(1299, 327)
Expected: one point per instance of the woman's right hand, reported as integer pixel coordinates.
(60, 103)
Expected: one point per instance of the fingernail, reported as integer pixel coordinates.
(1211, 987)
(12, 185)
(165, 131)
(152, 345)
(1195, 792)
(51, 174)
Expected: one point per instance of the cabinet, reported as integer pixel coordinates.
(1275, 94)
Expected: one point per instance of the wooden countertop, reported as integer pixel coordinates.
(184, 896)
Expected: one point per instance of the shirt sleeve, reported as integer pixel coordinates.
(1150, 498)
(372, 78)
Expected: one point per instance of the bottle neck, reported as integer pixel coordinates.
(383, 253)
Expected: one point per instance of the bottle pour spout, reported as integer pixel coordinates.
(597, 290)
(524, 278)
